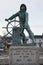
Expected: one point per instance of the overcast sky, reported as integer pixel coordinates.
(34, 9)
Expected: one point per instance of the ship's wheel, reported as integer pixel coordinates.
(11, 25)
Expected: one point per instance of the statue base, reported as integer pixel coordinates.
(23, 55)
(4, 60)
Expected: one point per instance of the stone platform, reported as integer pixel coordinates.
(4, 60)
(41, 56)
(24, 55)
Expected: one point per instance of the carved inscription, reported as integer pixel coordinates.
(22, 55)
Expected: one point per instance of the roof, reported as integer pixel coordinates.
(38, 36)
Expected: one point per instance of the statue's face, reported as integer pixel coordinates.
(23, 8)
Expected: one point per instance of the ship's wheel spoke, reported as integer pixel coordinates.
(11, 24)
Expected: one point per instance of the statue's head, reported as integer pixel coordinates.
(23, 7)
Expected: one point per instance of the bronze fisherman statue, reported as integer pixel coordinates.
(23, 17)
